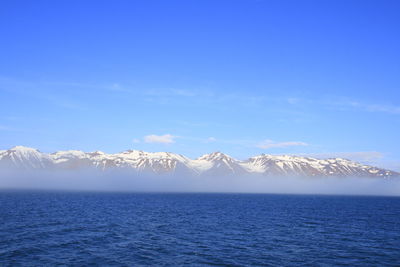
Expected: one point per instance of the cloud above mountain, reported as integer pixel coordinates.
(266, 144)
(162, 139)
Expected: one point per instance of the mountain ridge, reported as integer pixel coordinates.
(216, 163)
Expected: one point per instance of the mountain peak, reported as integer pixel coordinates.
(23, 149)
(214, 156)
(25, 158)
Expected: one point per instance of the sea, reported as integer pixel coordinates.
(40, 228)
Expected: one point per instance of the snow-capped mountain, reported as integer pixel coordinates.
(220, 164)
(159, 162)
(216, 163)
(305, 166)
(24, 158)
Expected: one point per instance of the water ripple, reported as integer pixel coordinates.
(104, 229)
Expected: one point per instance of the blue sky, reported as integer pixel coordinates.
(192, 77)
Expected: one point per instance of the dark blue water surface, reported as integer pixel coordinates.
(121, 229)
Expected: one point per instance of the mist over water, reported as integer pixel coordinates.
(128, 182)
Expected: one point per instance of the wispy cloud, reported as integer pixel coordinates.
(357, 105)
(173, 92)
(169, 139)
(293, 100)
(11, 118)
(196, 96)
(6, 128)
(267, 144)
(211, 139)
(163, 139)
(375, 107)
(116, 87)
(186, 93)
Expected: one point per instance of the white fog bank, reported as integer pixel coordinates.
(89, 181)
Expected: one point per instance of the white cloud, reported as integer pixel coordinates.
(266, 144)
(7, 128)
(136, 141)
(375, 107)
(211, 139)
(180, 92)
(163, 139)
(364, 106)
(293, 100)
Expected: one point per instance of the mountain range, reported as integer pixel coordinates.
(216, 163)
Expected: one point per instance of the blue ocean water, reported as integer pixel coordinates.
(149, 229)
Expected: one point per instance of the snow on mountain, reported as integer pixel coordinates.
(158, 162)
(305, 166)
(220, 164)
(215, 163)
(24, 158)
(71, 159)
